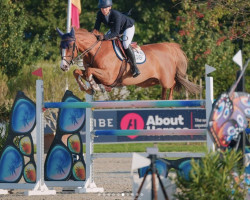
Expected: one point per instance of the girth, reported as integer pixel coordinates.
(123, 65)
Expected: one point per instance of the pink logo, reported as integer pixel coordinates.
(132, 121)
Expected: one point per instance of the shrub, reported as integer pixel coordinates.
(5, 103)
(214, 178)
(3, 137)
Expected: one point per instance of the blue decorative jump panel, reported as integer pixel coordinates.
(19, 143)
(65, 161)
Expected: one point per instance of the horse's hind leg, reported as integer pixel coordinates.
(164, 93)
(170, 97)
(79, 75)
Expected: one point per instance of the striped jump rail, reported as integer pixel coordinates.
(151, 132)
(127, 104)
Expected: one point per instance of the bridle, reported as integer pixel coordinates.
(73, 51)
(80, 56)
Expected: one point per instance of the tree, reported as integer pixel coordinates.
(16, 48)
(5, 103)
(234, 14)
(44, 17)
(204, 35)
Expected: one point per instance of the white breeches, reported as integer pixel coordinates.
(128, 36)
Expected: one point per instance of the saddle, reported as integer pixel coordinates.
(119, 50)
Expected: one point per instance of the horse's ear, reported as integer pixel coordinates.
(59, 32)
(72, 32)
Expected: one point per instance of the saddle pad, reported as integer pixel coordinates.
(139, 54)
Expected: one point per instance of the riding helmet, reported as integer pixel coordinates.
(104, 3)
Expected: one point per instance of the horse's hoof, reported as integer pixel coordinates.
(82, 86)
(107, 88)
(101, 86)
(90, 91)
(90, 78)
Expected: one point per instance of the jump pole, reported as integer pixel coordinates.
(209, 102)
(40, 187)
(90, 185)
(127, 104)
(171, 132)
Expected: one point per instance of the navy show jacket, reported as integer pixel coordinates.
(117, 23)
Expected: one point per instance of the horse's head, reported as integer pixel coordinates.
(68, 48)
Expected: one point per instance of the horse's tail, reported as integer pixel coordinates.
(181, 69)
(182, 81)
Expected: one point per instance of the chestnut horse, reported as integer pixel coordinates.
(166, 64)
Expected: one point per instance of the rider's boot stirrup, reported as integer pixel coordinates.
(130, 54)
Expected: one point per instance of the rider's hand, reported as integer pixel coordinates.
(100, 37)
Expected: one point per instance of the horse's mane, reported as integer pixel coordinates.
(96, 32)
(81, 30)
(83, 35)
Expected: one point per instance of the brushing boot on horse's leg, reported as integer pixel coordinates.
(131, 56)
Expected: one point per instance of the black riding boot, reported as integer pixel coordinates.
(130, 54)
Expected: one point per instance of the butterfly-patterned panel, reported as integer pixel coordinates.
(229, 117)
(23, 116)
(65, 161)
(19, 143)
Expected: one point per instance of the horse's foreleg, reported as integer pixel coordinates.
(93, 84)
(102, 75)
(79, 75)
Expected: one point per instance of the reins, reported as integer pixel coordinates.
(86, 51)
(89, 49)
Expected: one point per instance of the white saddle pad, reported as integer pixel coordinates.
(139, 54)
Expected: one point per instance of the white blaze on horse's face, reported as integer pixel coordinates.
(67, 47)
(64, 65)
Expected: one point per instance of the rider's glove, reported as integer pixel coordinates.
(100, 37)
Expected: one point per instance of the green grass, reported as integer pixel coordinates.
(194, 147)
(142, 147)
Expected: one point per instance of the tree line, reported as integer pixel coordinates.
(209, 31)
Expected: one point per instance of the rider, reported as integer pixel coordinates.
(118, 24)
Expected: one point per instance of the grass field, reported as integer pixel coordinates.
(142, 147)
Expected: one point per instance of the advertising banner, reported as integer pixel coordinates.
(150, 119)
